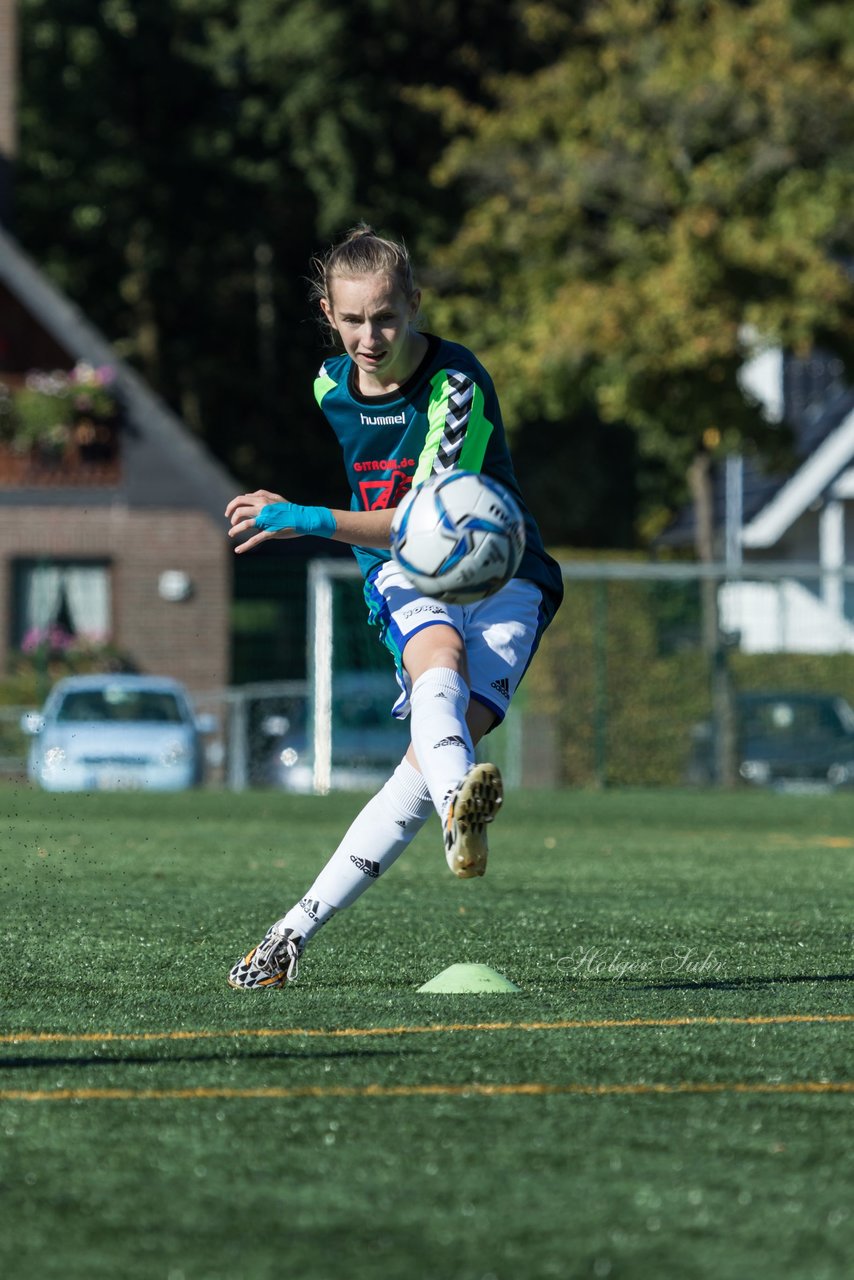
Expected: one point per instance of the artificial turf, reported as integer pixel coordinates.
(666, 1097)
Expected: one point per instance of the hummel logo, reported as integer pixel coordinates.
(382, 419)
(371, 869)
(454, 741)
(502, 686)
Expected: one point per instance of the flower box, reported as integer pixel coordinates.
(59, 429)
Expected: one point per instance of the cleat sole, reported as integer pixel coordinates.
(478, 799)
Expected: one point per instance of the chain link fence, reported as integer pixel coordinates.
(658, 674)
(663, 674)
(651, 675)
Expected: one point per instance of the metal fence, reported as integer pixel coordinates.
(651, 674)
(261, 737)
(661, 674)
(648, 672)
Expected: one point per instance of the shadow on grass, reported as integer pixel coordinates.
(12, 1064)
(744, 984)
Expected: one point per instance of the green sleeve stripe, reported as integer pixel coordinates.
(435, 427)
(323, 384)
(458, 429)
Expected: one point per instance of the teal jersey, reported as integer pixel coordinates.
(446, 416)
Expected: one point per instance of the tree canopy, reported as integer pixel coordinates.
(614, 198)
(182, 160)
(677, 183)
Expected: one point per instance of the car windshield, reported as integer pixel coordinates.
(792, 720)
(146, 706)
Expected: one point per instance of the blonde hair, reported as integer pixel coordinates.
(361, 253)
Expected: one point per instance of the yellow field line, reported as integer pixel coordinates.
(569, 1024)
(528, 1089)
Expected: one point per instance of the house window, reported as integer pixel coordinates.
(61, 600)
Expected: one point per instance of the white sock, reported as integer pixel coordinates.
(374, 841)
(440, 735)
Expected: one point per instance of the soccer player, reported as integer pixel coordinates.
(406, 405)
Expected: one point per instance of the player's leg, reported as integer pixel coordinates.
(472, 805)
(376, 838)
(426, 638)
(434, 660)
(446, 724)
(499, 651)
(501, 636)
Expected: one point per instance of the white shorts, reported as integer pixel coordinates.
(500, 633)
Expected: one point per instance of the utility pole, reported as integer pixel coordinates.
(723, 701)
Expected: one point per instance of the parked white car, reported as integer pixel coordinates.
(116, 732)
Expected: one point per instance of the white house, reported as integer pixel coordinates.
(804, 519)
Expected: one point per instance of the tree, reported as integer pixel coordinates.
(181, 160)
(678, 180)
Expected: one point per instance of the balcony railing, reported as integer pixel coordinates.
(90, 458)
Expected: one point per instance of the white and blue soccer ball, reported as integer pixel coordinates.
(458, 537)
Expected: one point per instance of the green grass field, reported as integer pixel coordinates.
(670, 1095)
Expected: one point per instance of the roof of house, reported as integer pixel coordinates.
(826, 451)
(164, 465)
(823, 440)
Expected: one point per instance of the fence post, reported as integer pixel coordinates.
(600, 683)
(238, 742)
(319, 661)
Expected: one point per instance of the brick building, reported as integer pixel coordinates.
(121, 536)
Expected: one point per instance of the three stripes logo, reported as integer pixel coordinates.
(311, 907)
(371, 869)
(457, 414)
(502, 686)
(453, 741)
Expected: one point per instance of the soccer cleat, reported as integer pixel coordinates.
(474, 802)
(272, 963)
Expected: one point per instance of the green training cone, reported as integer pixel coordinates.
(462, 978)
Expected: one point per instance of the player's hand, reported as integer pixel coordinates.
(242, 512)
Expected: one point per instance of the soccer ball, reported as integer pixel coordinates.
(458, 537)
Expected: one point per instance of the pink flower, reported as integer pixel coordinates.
(33, 639)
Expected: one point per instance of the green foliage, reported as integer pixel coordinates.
(632, 191)
(39, 419)
(623, 672)
(42, 413)
(678, 180)
(182, 160)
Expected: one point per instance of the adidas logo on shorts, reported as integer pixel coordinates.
(502, 686)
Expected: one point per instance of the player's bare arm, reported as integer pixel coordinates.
(282, 519)
(364, 528)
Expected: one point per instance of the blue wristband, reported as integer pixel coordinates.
(289, 515)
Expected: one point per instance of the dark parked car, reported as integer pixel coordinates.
(783, 740)
(366, 742)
